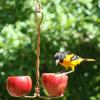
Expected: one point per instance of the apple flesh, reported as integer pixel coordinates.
(19, 85)
(55, 84)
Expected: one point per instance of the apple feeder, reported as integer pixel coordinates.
(19, 85)
(54, 84)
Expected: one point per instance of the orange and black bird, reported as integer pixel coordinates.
(69, 60)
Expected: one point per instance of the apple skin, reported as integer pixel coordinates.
(55, 84)
(19, 85)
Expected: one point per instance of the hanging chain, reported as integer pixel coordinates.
(39, 18)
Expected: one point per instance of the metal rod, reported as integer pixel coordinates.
(38, 22)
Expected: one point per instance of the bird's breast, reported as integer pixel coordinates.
(65, 63)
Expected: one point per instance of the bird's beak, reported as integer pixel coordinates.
(57, 61)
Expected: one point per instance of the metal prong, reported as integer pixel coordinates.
(63, 71)
(68, 72)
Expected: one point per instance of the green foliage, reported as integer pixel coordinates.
(68, 25)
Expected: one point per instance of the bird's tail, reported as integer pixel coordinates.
(87, 59)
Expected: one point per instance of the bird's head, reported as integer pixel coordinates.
(59, 56)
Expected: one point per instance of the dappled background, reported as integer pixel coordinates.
(68, 25)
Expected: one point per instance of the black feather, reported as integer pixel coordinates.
(74, 57)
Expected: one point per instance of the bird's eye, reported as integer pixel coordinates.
(56, 57)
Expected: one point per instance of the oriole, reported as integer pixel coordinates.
(69, 60)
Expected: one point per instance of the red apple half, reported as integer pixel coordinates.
(55, 84)
(19, 85)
